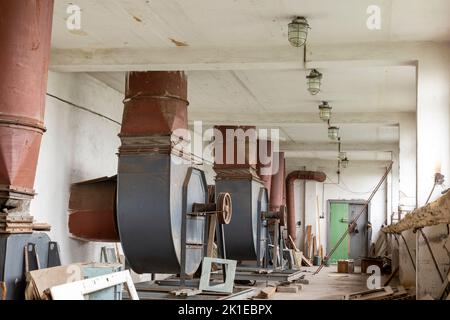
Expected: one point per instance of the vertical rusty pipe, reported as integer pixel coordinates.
(290, 179)
(277, 185)
(25, 33)
(267, 154)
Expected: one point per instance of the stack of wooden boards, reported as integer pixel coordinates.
(15, 223)
(384, 293)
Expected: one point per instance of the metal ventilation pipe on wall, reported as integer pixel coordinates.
(25, 30)
(278, 191)
(290, 179)
(265, 147)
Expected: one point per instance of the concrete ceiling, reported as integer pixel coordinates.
(218, 23)
(242, 70)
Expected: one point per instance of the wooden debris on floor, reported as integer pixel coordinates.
(384, 293)
(186, 292)
(287, 289)
(267, 292)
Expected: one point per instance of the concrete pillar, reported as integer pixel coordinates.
(407, 162)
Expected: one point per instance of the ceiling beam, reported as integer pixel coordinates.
(333, 146)
(236, 58)
(271, 119)
(173, 59)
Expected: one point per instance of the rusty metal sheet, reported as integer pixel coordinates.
(278, 185)
(92, 210)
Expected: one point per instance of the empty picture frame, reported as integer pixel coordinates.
(225, 287)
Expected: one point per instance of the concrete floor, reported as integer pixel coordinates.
(328, 285)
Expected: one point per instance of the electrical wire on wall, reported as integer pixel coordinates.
(83, 108)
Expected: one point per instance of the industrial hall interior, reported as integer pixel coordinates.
(224, 150)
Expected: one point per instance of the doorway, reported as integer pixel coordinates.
(356, 243)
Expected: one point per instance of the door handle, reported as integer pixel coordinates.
(343, 220)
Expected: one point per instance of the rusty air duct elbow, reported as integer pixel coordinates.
(290, 179)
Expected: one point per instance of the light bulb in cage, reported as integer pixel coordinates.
(314, 81)
(325, 111)
(333, 133)
(298, 31)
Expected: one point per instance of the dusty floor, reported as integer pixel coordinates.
(327, 285)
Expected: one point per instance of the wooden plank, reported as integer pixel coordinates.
(308, 243)
(41, 226)
(43, 279)
(287, 289)
(375, 294)
(314, 247)
(267, 292)
(307, 261)
(212, 222)
(292, 243)
(186, 292)
(78, 289)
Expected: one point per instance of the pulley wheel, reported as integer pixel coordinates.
(224, 208)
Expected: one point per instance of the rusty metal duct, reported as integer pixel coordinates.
(155, 187)
(235, 165)
(25, 33)
(265, 154)
(290, 179)
(92, 210)
(277, 194)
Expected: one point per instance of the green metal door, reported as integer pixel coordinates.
(338, 225)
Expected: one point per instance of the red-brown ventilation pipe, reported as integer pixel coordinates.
(25, 33)
(278, 186)
(267, 153)
(290, 179)
(155, 105)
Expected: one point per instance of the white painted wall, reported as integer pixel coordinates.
(357, 183)
(77, 146)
